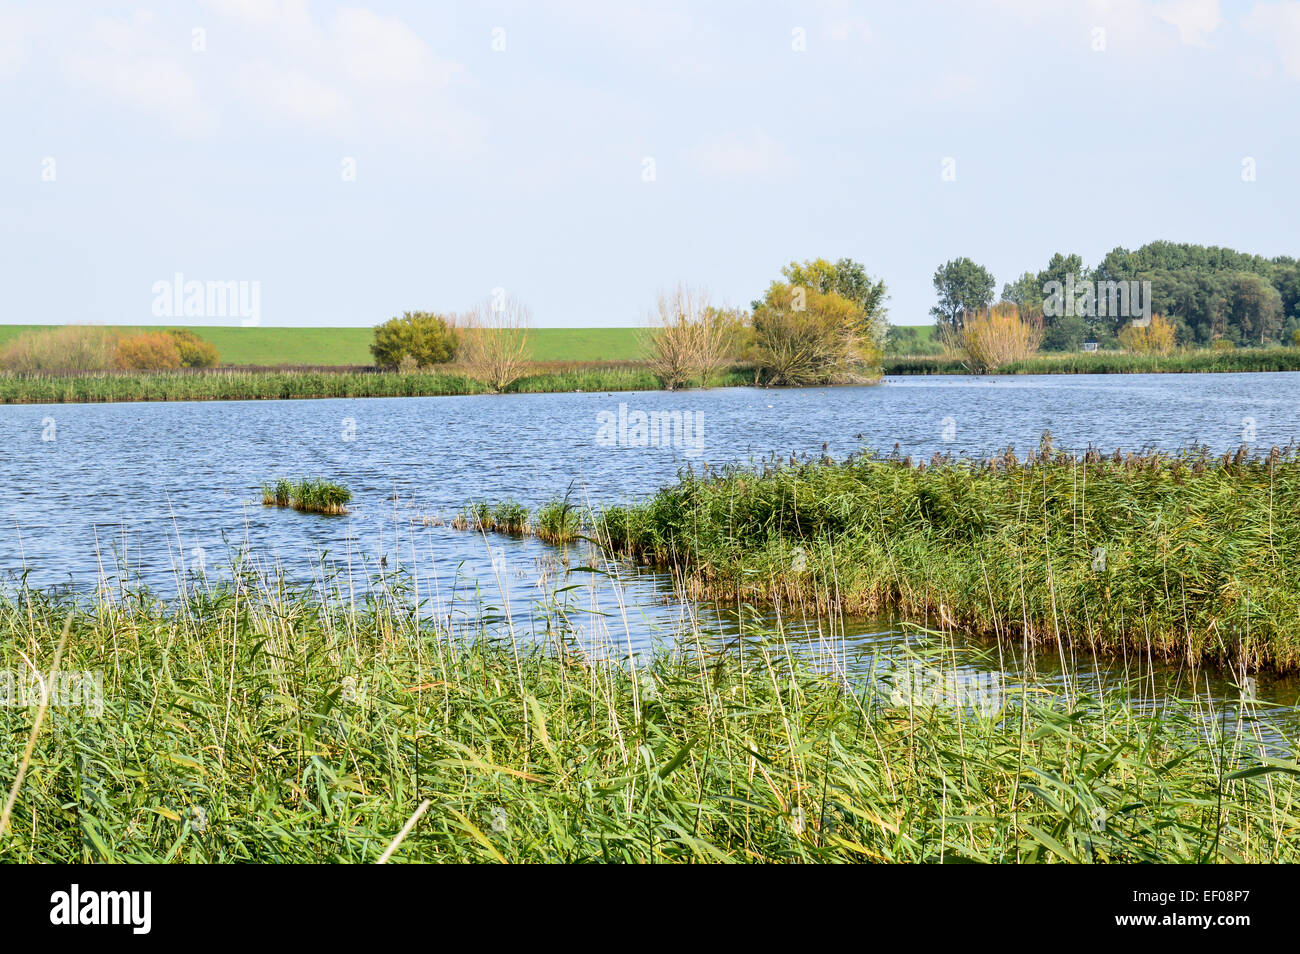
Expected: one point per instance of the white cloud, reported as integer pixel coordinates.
(756, 156)
(385, 51)
(1279, 23)
(14, 30)
(129, 61)
(844, 22)
(292, 94)
(1195, 20)
(353, 74)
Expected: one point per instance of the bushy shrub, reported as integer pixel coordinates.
(803, 336)
(1155, 338)
(147, 351)
(997, 337)
(428, 338)
(195, 352)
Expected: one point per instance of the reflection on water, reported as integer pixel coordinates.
(168, 494)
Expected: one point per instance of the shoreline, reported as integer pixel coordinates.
(1172, 555)
(270, 384)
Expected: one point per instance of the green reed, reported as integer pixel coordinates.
(225, 385)
(555, 522)
(1185, 556)
(1113, 362)
(258, 724)
(314, 496)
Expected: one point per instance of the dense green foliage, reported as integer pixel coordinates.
(1195, 550)
(847, 279)
(259, 726)
(963, 288)
(911, 340)
(1210, 293)
(803, 336)
(423, 338)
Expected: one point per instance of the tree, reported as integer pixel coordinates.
(803, 336)
(1026, 290)
(849, 280)
(1212, 293)
(494, 342)
(964, 289)
(428, 338)
(195, 352)
(1155, 338)
(1255, 307)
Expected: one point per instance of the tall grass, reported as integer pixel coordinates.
(83, 348)
(313, 496)
(554, 522)
(1114, 362)
(227, 385)
(1183, 556)
(257, 724)
(997, 337)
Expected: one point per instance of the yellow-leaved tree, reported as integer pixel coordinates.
(1155, 338)
(997, 337)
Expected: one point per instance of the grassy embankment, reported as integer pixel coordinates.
(255, 725)
(268, 347)
(1182, 557)
(278, 363)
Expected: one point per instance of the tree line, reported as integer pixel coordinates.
(1208, 294)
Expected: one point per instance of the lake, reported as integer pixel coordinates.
(163, 494)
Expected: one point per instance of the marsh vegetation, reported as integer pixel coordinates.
(312, 496)
(256, 722)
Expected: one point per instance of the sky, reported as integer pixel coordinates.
(351, 161)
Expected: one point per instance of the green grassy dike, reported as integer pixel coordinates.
(1185, 556)
(257, 724)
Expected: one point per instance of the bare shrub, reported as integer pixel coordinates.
(689, 340)
(68, 348)
(721, 338)
(494, 342)
(997, 337)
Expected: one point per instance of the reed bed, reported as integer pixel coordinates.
(1185, 556)
(227, 384)
(239, 385)
(555, 522)
(258, 723)
(1112, 362)
(311, 496)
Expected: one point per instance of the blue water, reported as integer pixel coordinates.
(166, 493)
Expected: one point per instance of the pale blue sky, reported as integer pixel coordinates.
(523, 168)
